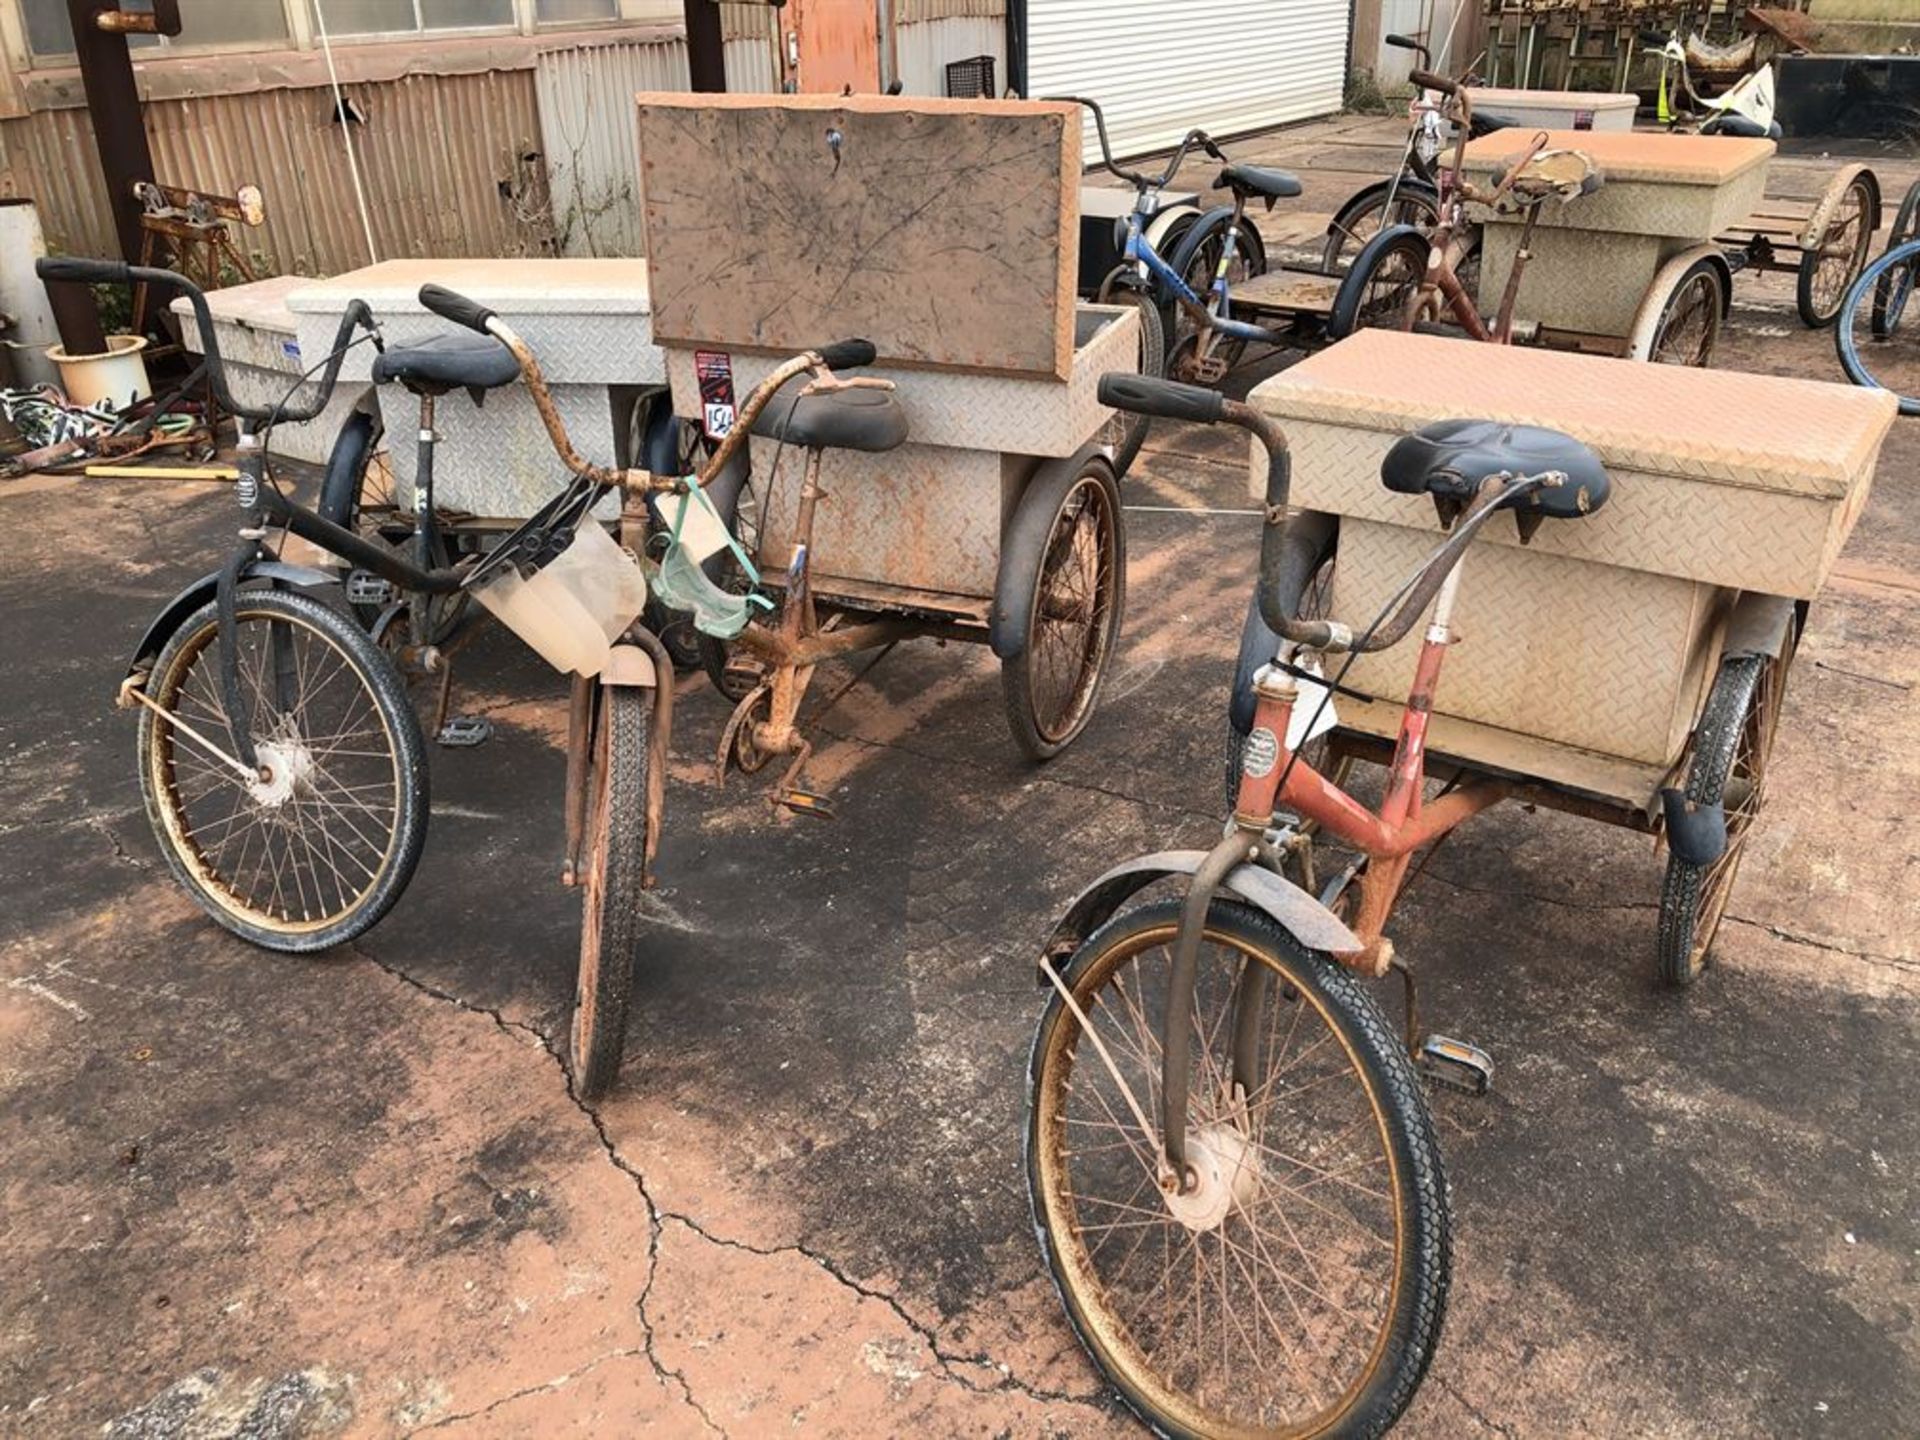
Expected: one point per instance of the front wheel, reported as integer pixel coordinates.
(1881, 362)
(1895, 286)
(1079, 563)
(614, 880)
(1731, 746)
(1299, 1285)
(313, 849)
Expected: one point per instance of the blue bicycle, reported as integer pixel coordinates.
(1215, 295)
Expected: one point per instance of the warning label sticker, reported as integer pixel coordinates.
(714, 370)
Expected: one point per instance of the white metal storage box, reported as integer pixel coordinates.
(260, 345)
(1605, 110)
(1601, 633)
(587, 321)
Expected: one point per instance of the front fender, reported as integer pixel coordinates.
(203, 590)
(1289, 907)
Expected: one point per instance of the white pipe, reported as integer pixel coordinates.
(346, 134)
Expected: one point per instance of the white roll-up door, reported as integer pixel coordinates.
(1161, 67)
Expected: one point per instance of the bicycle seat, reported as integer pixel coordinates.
(1259, 180)
(859, 418)
(1550, 174)
(1451, 459)
(458, 359)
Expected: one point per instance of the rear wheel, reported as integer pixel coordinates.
(313, 850)
(1073, 624)
(614, 862)
(1367, 214)
(1731, 746)
(1378, 291)
(1835, 258)
(1885, 363)
(1685, 327)
(1299, 1286)
(1184, 360)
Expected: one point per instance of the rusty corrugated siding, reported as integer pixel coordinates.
(435, 152)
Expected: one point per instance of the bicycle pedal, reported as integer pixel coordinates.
(366, 588)
(463, 732)
(805, 802)
(1456, 1064)
(1210, 371)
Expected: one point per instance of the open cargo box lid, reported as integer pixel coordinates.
(944, 231)
(1746, 481)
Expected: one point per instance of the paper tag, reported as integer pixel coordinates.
(701, 533)
(1308, 709)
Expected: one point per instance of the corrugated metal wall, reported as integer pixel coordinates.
(1158, 70)
(586, 113)
(923, 50)
(445, 159)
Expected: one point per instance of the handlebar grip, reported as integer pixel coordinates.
(455, 307)
(848, 354)
(1168, 399)
(84, 272)
(1439, 84)
(1402, 42)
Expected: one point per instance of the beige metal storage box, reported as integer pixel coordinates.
(926, 518)
(1594, 257)
(260, 345)
(1602, 633)
(1587, 110)
(588, 323)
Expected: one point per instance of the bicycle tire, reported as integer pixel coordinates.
(612, 886)
(1733, 741)
(1890, 295)
(1812, 282)
(1125, 432)
(1353, 309)
(1041, 729)
(1416, 203)
(1843, 331)
(171, 795)
(1064, 1179)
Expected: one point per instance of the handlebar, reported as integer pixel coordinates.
(1168, 399)
(449, 305)
(1407, 42)
(1135, 177)
(117, 272)
(1439, 84)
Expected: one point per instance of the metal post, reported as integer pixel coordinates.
(706, 50)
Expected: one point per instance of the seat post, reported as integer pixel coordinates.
(424, 547)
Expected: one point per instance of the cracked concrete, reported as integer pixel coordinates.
(247, 1195)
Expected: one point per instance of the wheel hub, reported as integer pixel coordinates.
(286, 769)
(1226, 1171)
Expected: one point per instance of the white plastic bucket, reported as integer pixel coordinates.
(119, 376)
(573, 609)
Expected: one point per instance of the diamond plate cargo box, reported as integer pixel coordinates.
(1602, 632)
(259, 343)
(921, 524)
(588, 321)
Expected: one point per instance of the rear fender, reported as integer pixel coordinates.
(202, 592)
(1289, 907)
(1197, 234)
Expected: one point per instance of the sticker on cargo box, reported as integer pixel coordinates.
(714, 370)
(1583, 119)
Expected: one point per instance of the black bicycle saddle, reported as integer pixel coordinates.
(859, 418)
(1451, 459)
(457, 359)
(1259, 180)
